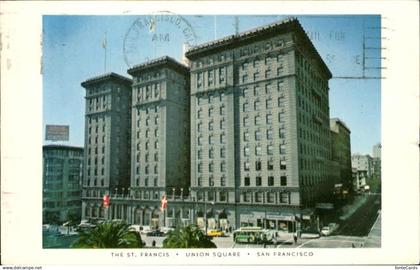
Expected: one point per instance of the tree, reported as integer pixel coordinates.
(187, 237)
(110, 234)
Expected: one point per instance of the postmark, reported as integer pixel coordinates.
(161, 33)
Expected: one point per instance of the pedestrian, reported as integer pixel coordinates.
(352, 245)
(295, 238)
(153, 243)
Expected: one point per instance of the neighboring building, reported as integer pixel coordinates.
(376, 151)
(260, 133)
(107, 142)
(359, 179)
(160, 152)
(362, 163)
(62, 177)
(341, 152)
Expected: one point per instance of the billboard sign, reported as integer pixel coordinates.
(57, 132)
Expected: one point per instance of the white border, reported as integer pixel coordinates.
(21, 130)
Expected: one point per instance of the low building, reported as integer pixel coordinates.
(62, 177)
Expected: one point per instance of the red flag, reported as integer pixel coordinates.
(163, 203)
(106, 201)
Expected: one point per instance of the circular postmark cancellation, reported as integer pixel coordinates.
(156, 35)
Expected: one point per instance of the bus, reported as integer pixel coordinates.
(252, 235)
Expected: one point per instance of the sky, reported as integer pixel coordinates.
(73, 51)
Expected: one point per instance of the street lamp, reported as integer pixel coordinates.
(173, 193)
(182, 193)
(205, 214)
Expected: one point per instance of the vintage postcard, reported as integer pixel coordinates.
(240, 133)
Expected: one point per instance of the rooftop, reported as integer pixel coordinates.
(341, 122)
(287, 25)
(106, 77)
(161, 61)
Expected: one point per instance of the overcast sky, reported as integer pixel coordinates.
(73, 52)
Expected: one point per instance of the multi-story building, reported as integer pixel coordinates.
(62, 177)
(341, 152)
(107, 143)
(160, 152)
(362, 163)
(260, 133)
(241, 137)
(376, 151)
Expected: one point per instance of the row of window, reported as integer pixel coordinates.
(147, 157)
(268, 119)
(96, 129)
(270, 165)
(270, 197)
(211, 139)
(211, 196)
(95, 182)
(222, 125)
(147, 169)
(258, 48)
(148, 92)
(267, 74)
(270, 150)
(269, 134)
(211, 183)
(211, 153)
(270, 181)
(146, 181)
(211, 76)
(211, 111)
(211, 167)
(246, 91)
(281, 101)
(148, 121)
(210, 98)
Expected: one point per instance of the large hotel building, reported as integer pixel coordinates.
(241, 136)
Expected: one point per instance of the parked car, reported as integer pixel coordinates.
(155, 233)
(215, 233)
(328, 230)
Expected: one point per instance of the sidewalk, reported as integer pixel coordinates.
(373, 239)
(349, 209)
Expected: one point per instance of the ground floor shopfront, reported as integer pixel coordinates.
(226, 217)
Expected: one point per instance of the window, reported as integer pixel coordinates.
(211, 167)
(256, 76)
(256, 105)
(267, 73)
(268, 103)
(156, 157)
(146, 169)
(222, 124)
(282, 133)
(258, 197)
(247, 181)
(146, 146)
(246, 121)
(211, 153)
(200, 140)
(258, 165)
(283, 165)
(245, 107)
(270, 165)
(284, 197)
(199, 112)
(280, 85)
(200, 167)
(257, 120)
(271, 181)
(211, 111)
(222, 196)
(281, 117)
(223, 167)
(222, 152)
(258, 135)
(223, 181)
(146, 157)
(156, 169)
(282, 149)
(211, 125)
(210, 77)
(211, 139)
(222, 138)
(269, 134)
(222, 108)
(246, 151)
(199, 79)
(199, 154)
(244, 78)
(211, 183)
(246, 166)
(222, 74)
(147, 133)
(199, 127)
(247, 197)
(283, 181)
(258, 150)
(146, 182)
(156, 132)
(199, 181)
(269, 119)
(270, 149)
(246, 136)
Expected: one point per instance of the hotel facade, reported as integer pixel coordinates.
(241, 136)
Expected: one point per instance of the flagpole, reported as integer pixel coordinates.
(104, 45)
